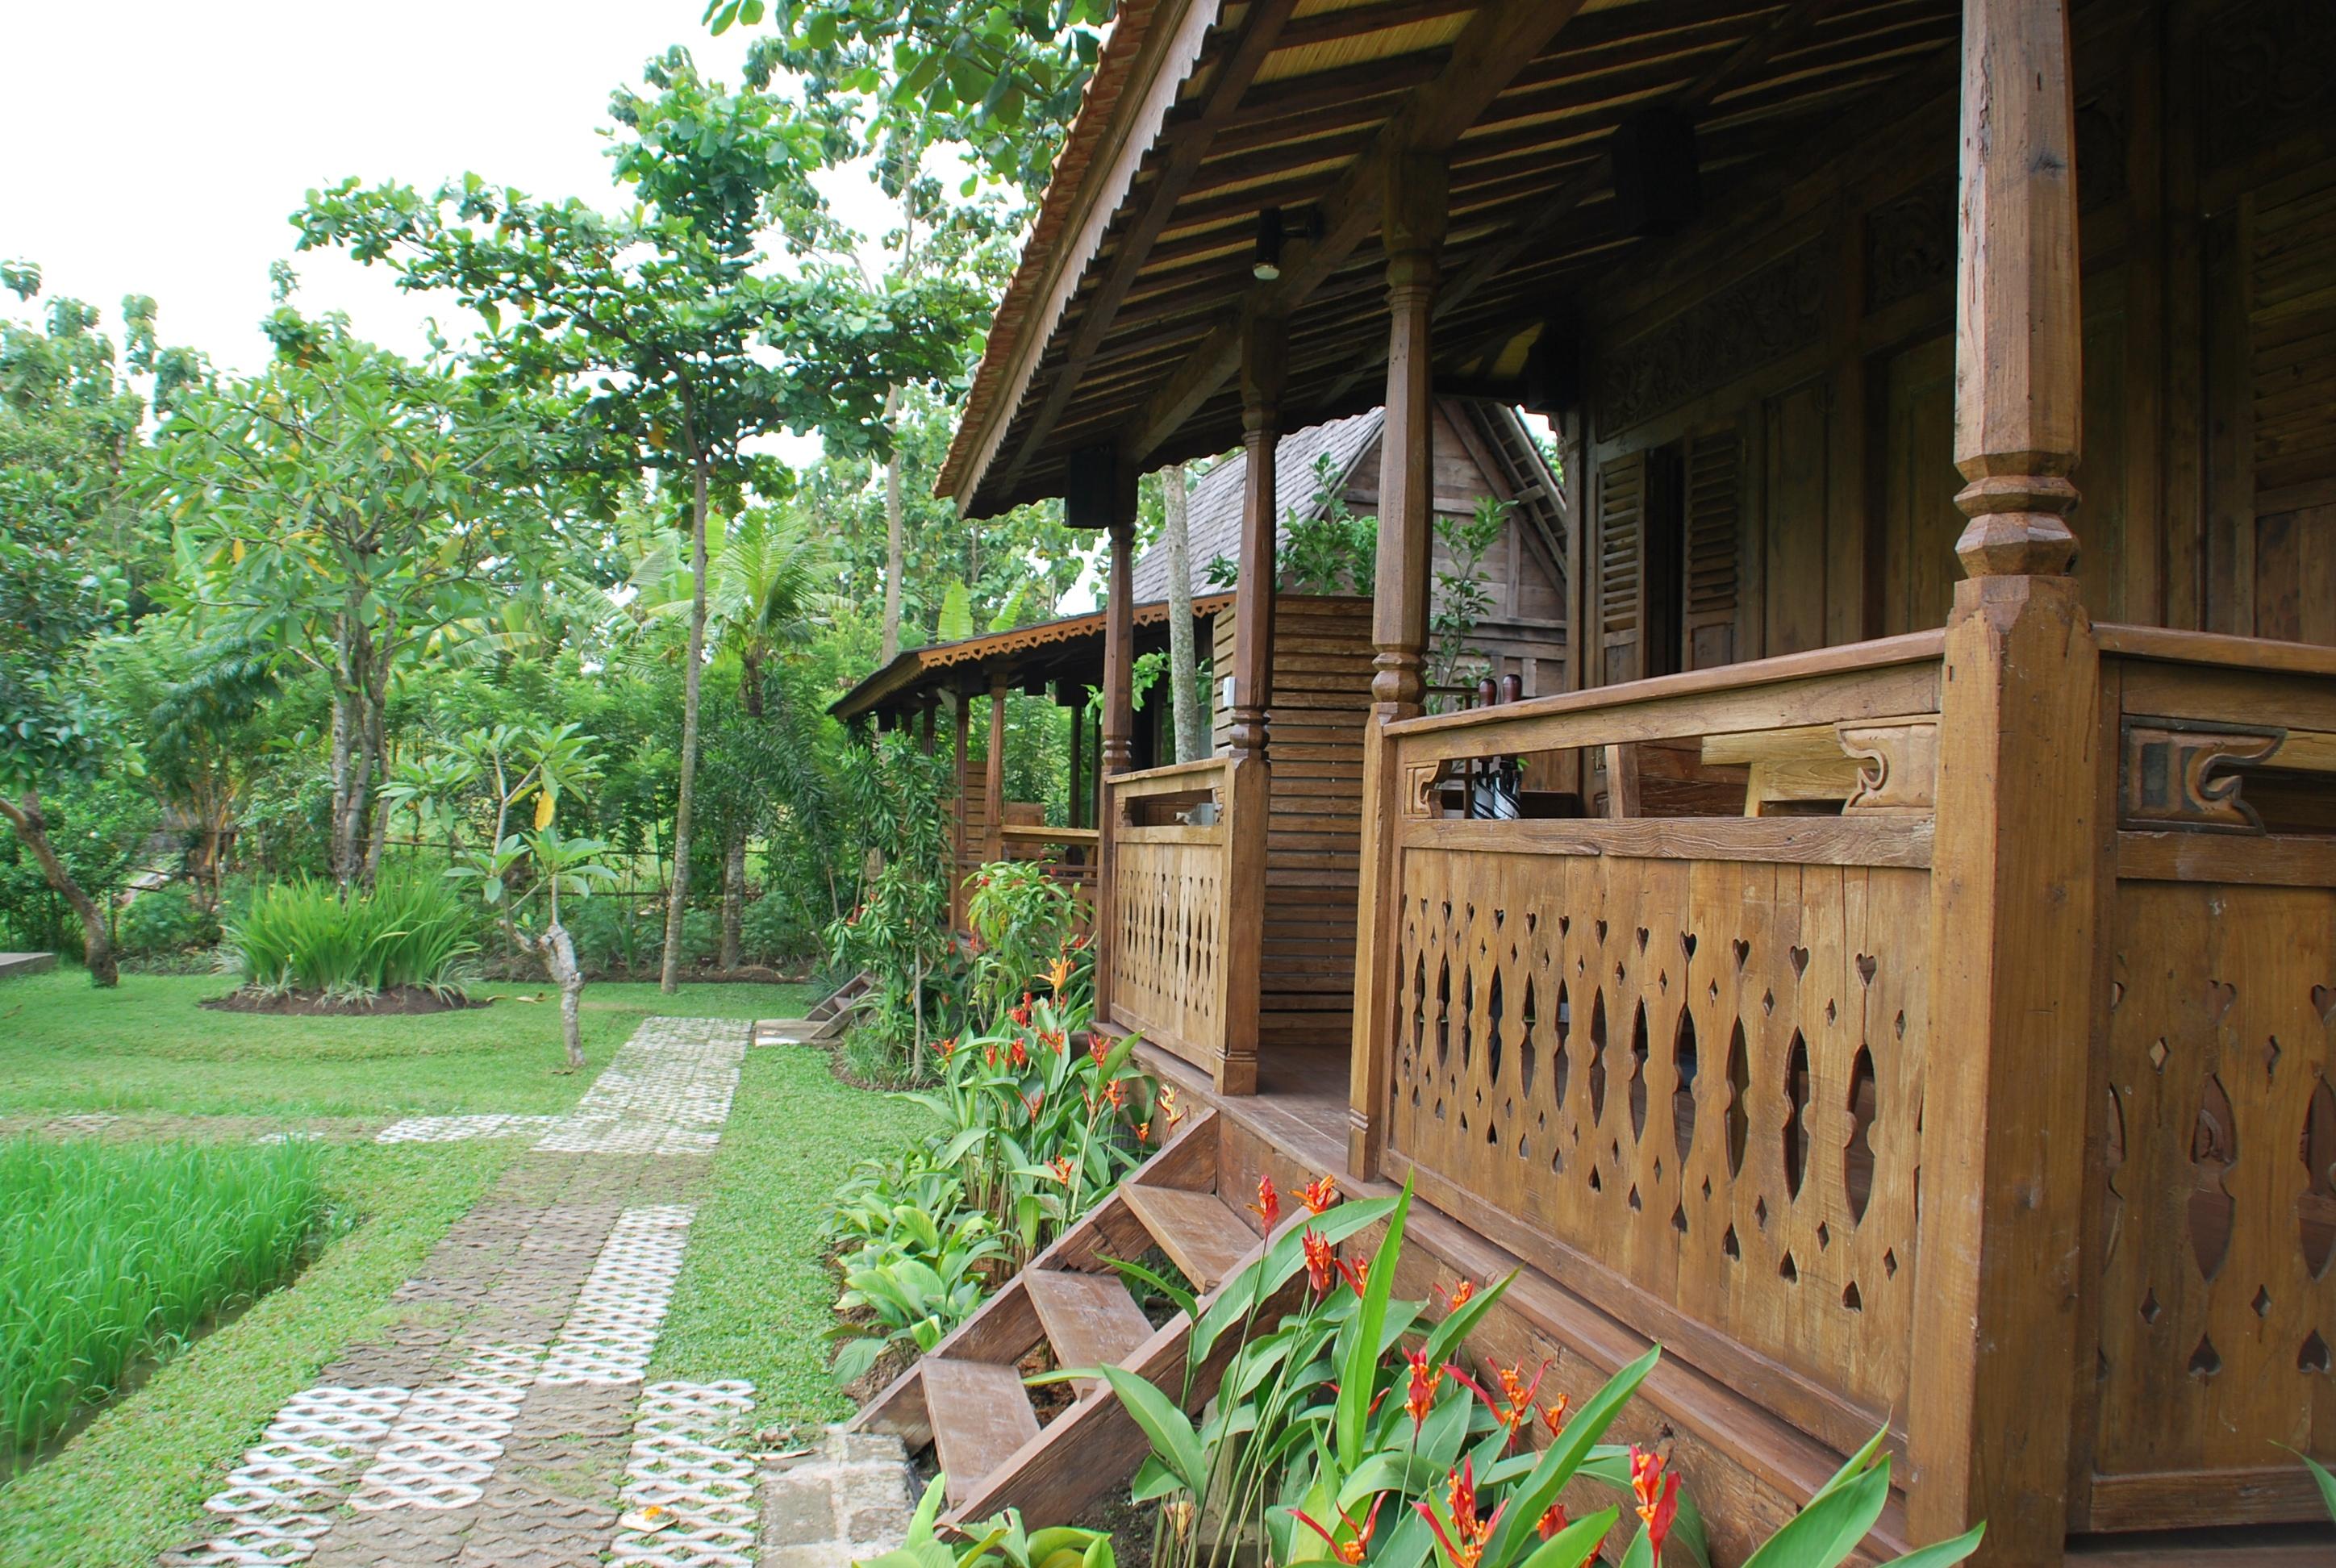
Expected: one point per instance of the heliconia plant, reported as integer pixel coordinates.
(1344, 1429)
(998, 1543)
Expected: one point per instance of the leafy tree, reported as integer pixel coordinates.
(68, 421)
(675, 344)
(345, 508)
(1003, 77)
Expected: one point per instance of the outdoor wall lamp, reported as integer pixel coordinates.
(1271, 232)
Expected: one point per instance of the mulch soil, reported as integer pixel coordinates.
(316, 1004)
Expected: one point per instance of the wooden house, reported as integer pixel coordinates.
(1907, 988)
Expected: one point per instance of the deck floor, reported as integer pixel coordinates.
(1301, 1104)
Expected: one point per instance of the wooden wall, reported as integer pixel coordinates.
(1769, 398)
(1314, 741)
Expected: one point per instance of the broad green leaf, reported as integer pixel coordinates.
(1170, 1431)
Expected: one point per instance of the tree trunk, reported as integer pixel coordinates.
(896, 550)
(678, 902)
(32, 827)
(559, 962)
(344, 746)
(733, 900)
(1184, 666)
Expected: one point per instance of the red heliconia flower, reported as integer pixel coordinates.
(1515, 1408)
(1459, 1296)
(1019, 1056)
(1268, 1206)
(1426, 1379)
(1552, 1522)
(1054, 1040)
(1144, 1131)
(1657, 1496)
(1099, 1048)
(1554, 1415)
(1321, 1267)
(1170, 1109)
(1357, 1272)
(1358, 1545)
(1022, 1014)
(1318, 1194)
(1115, 1092)
(947, 1047)
(1061, 1167)
(1468, 1550)
(1034, 1102)
(989, 1058)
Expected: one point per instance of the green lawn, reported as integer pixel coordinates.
(754, 1293)
(750, 1300)
(67, 1047)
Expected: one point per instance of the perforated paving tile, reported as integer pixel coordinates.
(499, 1420)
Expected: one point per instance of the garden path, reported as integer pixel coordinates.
(503, 1422)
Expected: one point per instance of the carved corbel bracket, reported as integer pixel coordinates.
(1420, 784)
(2182, 775)
(1897, 766)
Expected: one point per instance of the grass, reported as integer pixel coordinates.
(754, 1293)
(67, 1047)
(110, 1253)
(131, 1483)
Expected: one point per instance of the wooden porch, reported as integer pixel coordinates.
(1898, 973)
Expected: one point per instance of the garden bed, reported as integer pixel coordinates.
(113, 1253)
(324, 1004)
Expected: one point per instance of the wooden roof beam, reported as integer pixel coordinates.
(1190, 146)
(1498, 42)
(1490, 261)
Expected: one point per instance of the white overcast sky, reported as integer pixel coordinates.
(158, 148)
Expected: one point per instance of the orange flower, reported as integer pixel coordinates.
(1358, 1545)
(1099, 1048)
(1034, 1102)
(1321, 1267)
(1170, 1109)
(1516, 1405)
(1115, 1092)
(1472, 1532)
(1021, 1015)
(1459, 1296)
(1657, 1496)
(1060, 1165)
(1554, 1415)
(1318, 1194)
(1554, 1521)
(1357, 1272)
(989, 1058)
(1268, 1206)
(1019, 1056)
(1144, 1131)
(1058, 974)
(1424, 1381)
(947, 1047)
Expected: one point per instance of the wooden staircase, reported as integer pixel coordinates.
(966, 1398)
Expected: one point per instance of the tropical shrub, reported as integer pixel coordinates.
(166, 921)
(1021, 917)
(308, 936)
(1036, 1121)
(1344, 1429)
(898, 929)
(111, 1252)
(999, 1542)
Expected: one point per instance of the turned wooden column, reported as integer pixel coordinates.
(1247, 789)
(1073, 806)
(1414, 232)
(1102, 494)
(993, 782)
(2022, 815)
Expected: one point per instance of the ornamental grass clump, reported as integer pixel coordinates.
(306, 936)
(113, 1253)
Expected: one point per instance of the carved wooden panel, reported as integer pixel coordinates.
(1165, 956)
(2218, 1299)
(1746, 325)
(2179, 775)
(1705, 1076)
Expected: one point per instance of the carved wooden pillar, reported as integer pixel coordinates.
(1414, 232)
(2021, 825)
(1249, 774)
(1104, 494)
(993, 783)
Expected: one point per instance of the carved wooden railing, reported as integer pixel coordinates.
(2214, 1203)
(1171, 888)
(1678, 1062)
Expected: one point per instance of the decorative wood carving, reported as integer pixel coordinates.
(1420, 784)
(1910, 244)
(1898, 767)
(2218, 1301)
(2180, 775)
(2267, 74)
(1166, 949)
(1762, 317)
(1706, 1075)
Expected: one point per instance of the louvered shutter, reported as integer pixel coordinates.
(1714, 507)
(1621, 611)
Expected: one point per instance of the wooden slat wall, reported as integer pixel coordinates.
(1314, 740)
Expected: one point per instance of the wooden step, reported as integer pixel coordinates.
(1090, 1319)
(981, 1415)
(1203, 1236)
